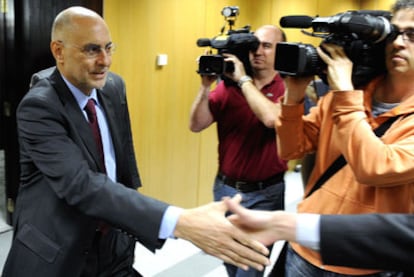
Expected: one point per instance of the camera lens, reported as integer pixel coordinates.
(211, 65)
(297, 59)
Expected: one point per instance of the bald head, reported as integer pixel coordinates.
(279, 35)
(82, 47)
(262, 60)
(70, 19)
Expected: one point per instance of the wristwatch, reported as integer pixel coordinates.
(243, 80)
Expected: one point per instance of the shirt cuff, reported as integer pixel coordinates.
(307, 230)
(169, 221)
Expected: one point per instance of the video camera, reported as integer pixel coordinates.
(363, 35)
(237, 42)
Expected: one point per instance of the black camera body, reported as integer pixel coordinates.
(362, 34)
(238, 42)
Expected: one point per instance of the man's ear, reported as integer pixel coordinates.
(56, 48)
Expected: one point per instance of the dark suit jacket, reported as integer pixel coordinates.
(369, 241)
(62, 192)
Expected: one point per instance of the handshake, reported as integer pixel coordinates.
(239, 239)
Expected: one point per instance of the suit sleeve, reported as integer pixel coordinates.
(368, 241)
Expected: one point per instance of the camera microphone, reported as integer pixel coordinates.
(202, 42)
(296, 21)
(367, 27)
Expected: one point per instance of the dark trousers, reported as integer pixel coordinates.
(112, 255)
(271, 198)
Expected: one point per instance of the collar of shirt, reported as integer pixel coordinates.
(80, 97)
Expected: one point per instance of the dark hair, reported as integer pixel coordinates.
(401, 5)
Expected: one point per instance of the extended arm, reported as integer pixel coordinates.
(201, 116)
(208, 229)
(379, 241)
(384, 241)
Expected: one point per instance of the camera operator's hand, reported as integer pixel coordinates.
(296, 89)
(239, 70)
(339, 66)
(207, 81)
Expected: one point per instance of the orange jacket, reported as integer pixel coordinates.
(379, 174)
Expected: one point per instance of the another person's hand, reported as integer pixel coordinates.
(209, 229)
(264, 226)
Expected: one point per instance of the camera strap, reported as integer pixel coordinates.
(341, 162)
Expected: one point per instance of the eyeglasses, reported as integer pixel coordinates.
(407, 34)
(92, 50)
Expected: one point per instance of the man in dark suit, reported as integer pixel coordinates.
(374, 241)
(78, 212)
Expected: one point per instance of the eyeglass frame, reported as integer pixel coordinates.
(92, 50)
(406, 35)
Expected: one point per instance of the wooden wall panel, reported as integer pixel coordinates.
(376, 4)
(160, 97)
(176, 165)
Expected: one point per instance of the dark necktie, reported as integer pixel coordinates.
(93, 123)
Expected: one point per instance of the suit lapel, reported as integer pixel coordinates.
(104, 96)
(77, 118)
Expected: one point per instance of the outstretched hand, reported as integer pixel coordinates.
(208, 228)
(264, 226)
(258, 224)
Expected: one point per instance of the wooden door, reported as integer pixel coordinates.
(24, 49)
